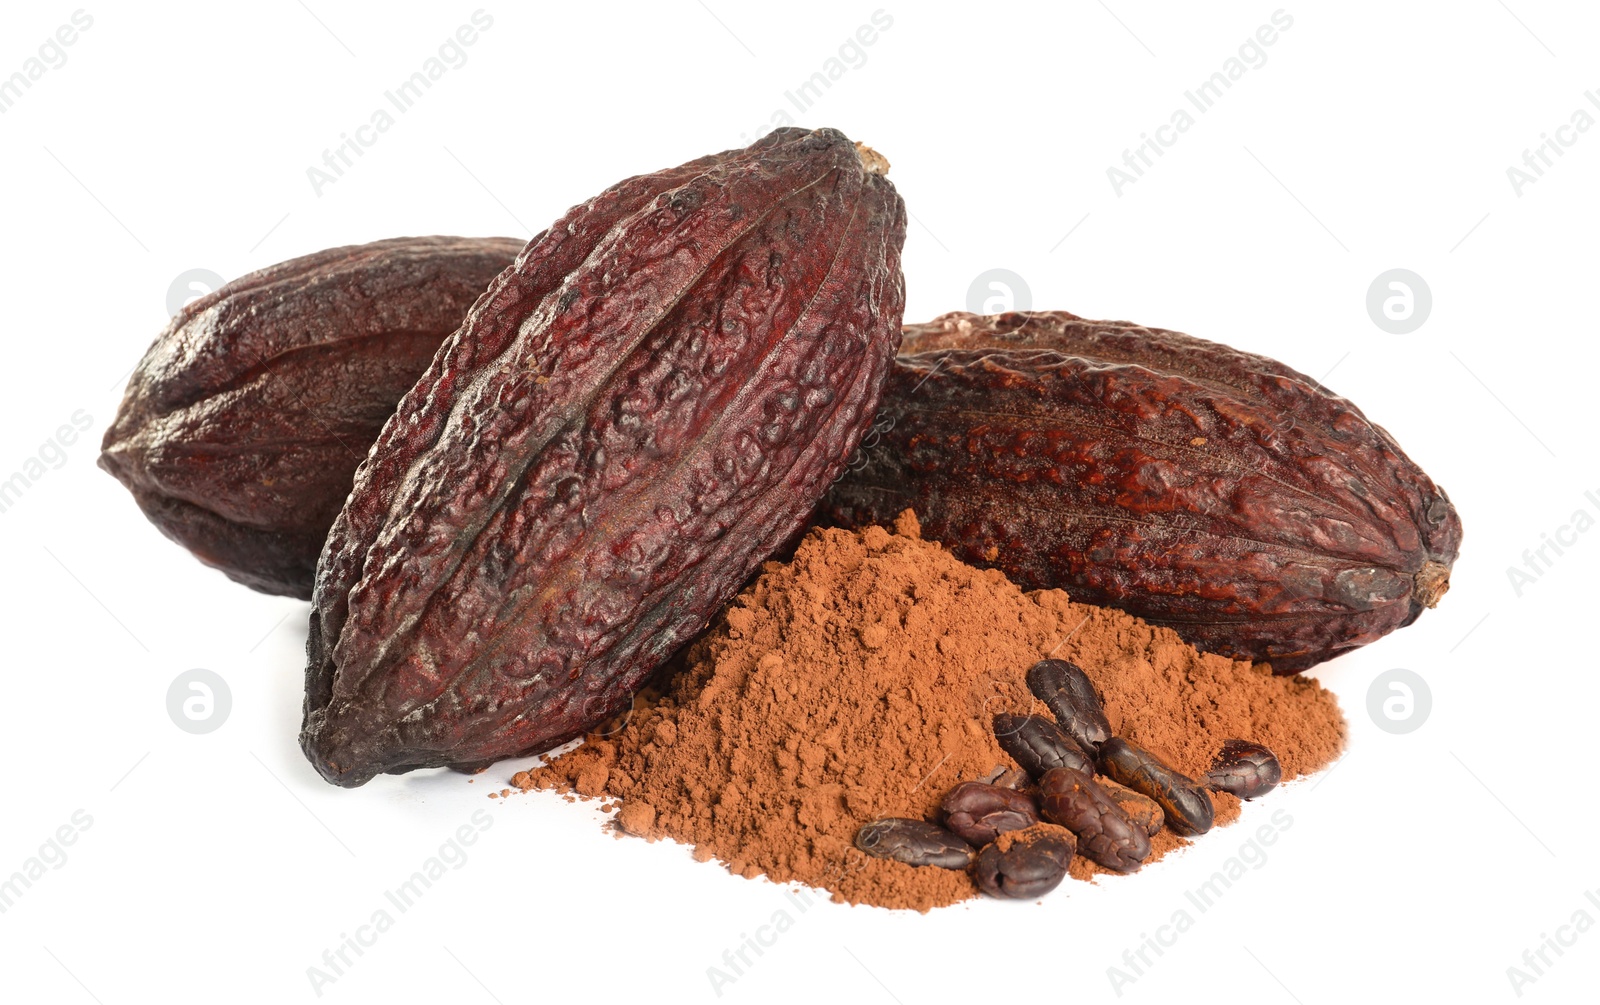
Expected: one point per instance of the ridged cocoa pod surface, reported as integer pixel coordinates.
(241, 429)
(1215, 492)
(636, 414)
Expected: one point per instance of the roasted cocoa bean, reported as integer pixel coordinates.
(1245, 769)
(1007, 778)
(978, 813)
(1141, 809)
(1185, 805)
(626, 425)
(241, 428)
(1067, 691)
(1105, 833)
(1021, 865)
(914, 842)
(1075, 454)
(1038, 744)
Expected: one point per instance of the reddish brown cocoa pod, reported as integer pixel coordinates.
(635, 415)
(241, 429)
(1212, 491)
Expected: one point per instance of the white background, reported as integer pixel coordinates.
(219, 867)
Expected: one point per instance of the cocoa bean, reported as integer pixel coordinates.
(1038, 744)
(914, 842)
(1074, 800)
(1245, 769)
(1022, 865)
(1070, 696)
(979, 813)
(1186, 806)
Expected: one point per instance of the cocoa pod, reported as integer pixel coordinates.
(1215, 492)
(241, 428)
(635, 415)
(1185, 805)
(1105, 833)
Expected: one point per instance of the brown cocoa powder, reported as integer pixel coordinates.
(858, 681)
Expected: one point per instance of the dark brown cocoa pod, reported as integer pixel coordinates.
(1144, 812)
(631, 419)
(1067, 691)
(1218, 493)
(1245, 769)
(241, 428)
(978, 813)
(1185, 804)
(1038, 744)
(914, 842)
(1105, 833)
(1021, 865)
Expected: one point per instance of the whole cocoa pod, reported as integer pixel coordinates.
(635, 415)
(242, 427)
(1212, 491)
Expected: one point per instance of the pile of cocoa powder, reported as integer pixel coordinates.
(858, 681)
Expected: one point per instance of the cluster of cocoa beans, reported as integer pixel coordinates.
(513, 483)
(1018, 830)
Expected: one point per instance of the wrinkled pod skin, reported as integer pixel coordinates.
(1186, 806)
(1218, 493)
(633, 417)
(241, 428)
